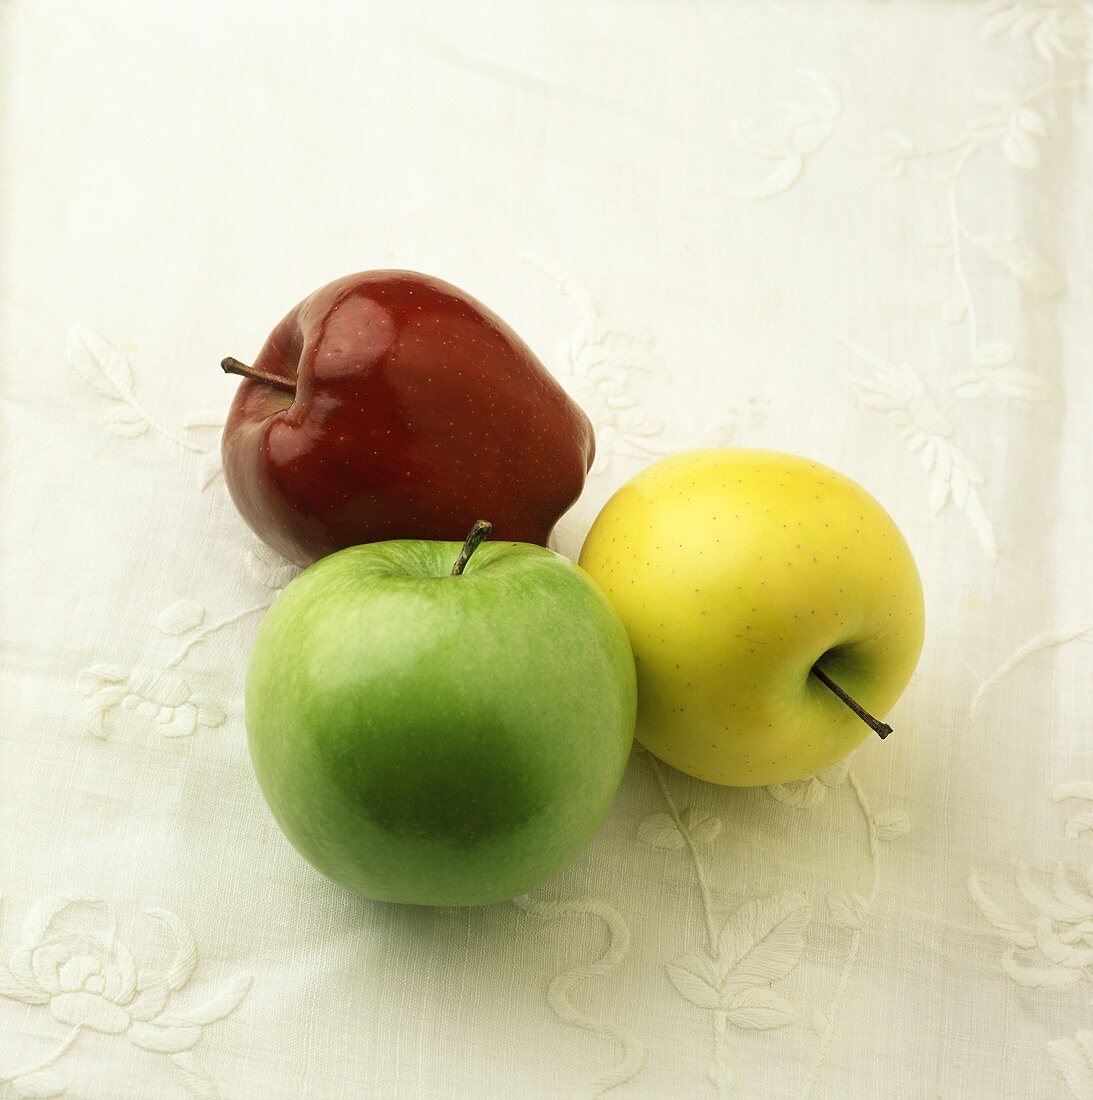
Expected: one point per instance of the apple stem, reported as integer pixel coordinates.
(479, 531)
(233, 366)
(881, 729)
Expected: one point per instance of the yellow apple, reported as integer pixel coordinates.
(738, 574)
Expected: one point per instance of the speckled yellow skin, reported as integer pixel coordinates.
(734, 571)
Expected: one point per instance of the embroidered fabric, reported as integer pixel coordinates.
(857, 231)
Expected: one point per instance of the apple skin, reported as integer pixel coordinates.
(734, 572)
(440, 740)
(416, 409)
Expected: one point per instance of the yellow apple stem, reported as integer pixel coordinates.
(479, 531)
(233, 366)
(881, 729)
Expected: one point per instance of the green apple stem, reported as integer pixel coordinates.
(233, 366)
(881, 729)
(479, 531)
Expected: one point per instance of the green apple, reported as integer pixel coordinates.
(754, 585)
(440, 736)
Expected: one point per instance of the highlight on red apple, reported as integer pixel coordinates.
(392, 405)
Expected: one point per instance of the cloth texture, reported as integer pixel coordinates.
(855, 231)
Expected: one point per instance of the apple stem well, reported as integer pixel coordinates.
(479, 532)
(881, 729)
(233, 366)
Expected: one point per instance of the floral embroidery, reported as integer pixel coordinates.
(88, 979)
(105, 367)
(267, 567)
(1074, 1060)
(1012, 124)
(1056, 945)
(789, 137)
(163, 698)
(903, 398)
(633, 1053)
(1053, 946)
(598, 365)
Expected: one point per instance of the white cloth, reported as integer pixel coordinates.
(856, 231)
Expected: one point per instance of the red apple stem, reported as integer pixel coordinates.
(233, 366)
(881, 729)
(478, 533)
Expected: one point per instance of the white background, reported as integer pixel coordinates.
(856, 231)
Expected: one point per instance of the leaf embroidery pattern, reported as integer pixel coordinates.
(902, 397)
(180, 618)
(1059, 29)
(1013, 126)
(661, 831)
(849, 910)
(195, 637)
(599, 366)
(88, 980)
(105, 367)
(759, 944)
(991, 372)
(806, 793)
(789, 136)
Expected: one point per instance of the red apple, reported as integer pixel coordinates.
(391, 405)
